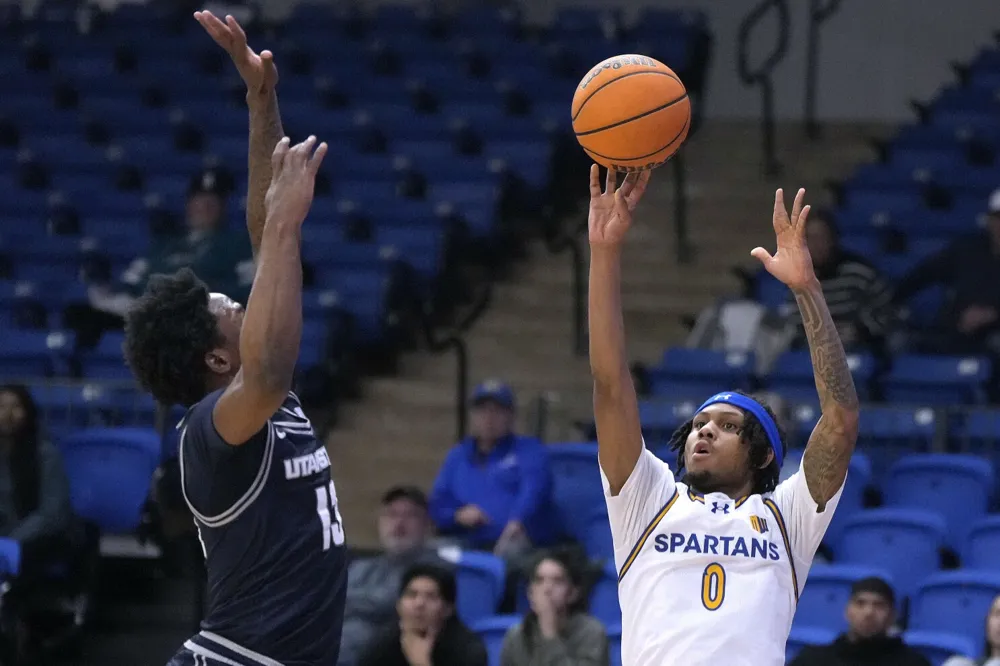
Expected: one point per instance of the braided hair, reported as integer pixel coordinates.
(753, 433)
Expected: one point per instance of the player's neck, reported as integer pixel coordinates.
(733, 493)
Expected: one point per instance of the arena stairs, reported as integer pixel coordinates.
(402, 429)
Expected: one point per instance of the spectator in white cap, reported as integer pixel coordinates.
(969, 268)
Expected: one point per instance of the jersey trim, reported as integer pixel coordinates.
(217, 647)
(240, 505)
(645, 535)
(770, 504)
(698, 497)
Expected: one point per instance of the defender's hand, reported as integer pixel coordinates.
(293, 179)
(257, 71)
(611, 210)
(791, 263)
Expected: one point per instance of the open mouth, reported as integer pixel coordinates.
(701, 450)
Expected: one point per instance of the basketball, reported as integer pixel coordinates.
(631, 113)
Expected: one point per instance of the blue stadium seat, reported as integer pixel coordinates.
(480, 578)
(982, 545)
(888, 433)
(34, 353)
(10, 557)
(937, 380)
(904, 542)
(576, 484)
(492, 630)
(701, 371)
(110, 471)
(596, 537)
(661, 417)
(954, 602)
(959, 487)
(800, 637)
(826, 593)
(604, 604)
(792, 375)
(106, 360)
(615, 644)
(938, 647)
(852, 499)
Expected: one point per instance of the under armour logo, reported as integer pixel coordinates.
(717, 507)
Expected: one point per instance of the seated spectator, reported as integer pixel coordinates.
(34, 492)
(373, 582)
(970, 318)
(859, 299)
(991, 651)
(870, 613)
(558, 629)
(35, 508)
(428, 632)
(493, 490)
(221, 257)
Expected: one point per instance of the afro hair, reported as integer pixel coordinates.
(168, 331)
(766, 479)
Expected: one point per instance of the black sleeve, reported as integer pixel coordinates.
(383, 650)
(215, 474)
(460, 647)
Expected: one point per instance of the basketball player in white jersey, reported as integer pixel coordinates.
(711, 565)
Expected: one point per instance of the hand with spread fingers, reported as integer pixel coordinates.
(293, 179)
(257, 71)
(792, 263)
(611, 210)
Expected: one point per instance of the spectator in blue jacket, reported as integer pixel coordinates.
(493, 490)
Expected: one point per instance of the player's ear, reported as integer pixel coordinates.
(768, 459)
(219, 361)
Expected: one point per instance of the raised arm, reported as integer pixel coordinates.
(831, 444)
(272, 326)
(616, 410)
(261, 78)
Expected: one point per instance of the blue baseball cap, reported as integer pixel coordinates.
(493, 390)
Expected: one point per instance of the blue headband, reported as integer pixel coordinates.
(757, 409)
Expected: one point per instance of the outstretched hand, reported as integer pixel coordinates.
(611, 210)
(792, 263)
(293, 179)
(257, 71)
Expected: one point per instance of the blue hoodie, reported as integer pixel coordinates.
(512, 482)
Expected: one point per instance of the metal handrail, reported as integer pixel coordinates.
(820, 12)
(762, 74)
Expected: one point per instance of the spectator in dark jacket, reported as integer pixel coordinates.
(870, 614)
(969, 268)
(558, 631)
(34, 493)
(428, 633)
(493, 490)
(373, 582)
(860, 300)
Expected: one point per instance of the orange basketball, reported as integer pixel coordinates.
(631, 113)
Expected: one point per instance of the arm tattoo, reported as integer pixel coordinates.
(832, 442)
(265, 133)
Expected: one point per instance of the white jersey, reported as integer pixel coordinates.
(708, 579)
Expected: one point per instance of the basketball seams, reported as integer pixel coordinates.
(619, 78)
(639, 116)
(677, 136)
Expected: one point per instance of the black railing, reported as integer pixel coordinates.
(569, 240)
(761, 75)
(683, 241)
(819, 12)
(440, 341)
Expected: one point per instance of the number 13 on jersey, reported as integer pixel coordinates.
(329, 516)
